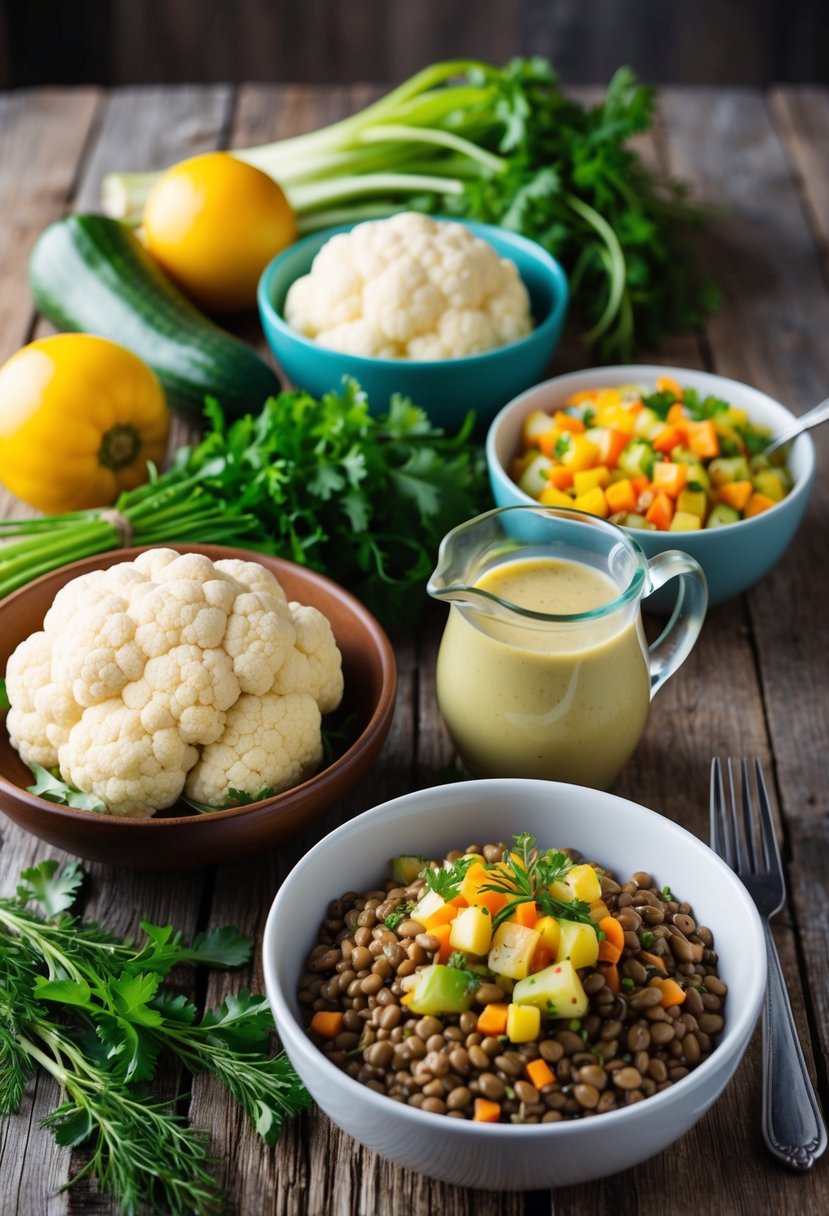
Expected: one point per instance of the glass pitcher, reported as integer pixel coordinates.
(543, 668)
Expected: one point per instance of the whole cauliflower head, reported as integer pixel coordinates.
(172, 665)
(410, 287)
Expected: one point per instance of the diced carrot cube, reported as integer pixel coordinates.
(442, 932)
(486, 1111)
(525, 914)
(756, 504)
(669, 437)
(542, 957)
(736, 494)
(441, 916)
(640, 483)
(327, 1023)
(676, 414)
(492, 1020)
(653, 960)
(539, 1073)
(661, 511)
(613, 444)
(568, 422)
(703, 439)
(672, 994)
(560, 477)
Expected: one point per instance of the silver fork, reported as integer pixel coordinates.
(793, 1128)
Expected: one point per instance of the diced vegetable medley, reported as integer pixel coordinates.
(513, 985)
(668, 459)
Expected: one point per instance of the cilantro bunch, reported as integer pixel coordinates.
(90, 1009)
(323, 482)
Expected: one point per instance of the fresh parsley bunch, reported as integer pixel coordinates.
(90, 1009)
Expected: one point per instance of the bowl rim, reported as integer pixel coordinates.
(375, 725)
(554, 319)
(648, 371)
(737, 1030)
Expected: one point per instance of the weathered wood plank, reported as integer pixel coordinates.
(42, 138)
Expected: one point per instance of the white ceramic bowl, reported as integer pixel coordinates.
(733, 557)
(610, 830)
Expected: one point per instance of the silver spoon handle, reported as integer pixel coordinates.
(793, 1128)
(804, 423)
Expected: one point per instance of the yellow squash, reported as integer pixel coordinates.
(214, 223)
(80, 417)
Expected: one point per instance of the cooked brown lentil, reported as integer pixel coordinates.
(623, 1050)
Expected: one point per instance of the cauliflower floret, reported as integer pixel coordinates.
(189, 688)
(29, 670)
(314, 665)
(401, 302)
(259, 634)
(97, 654)
(410, 287)
(269, 742)
(135, 772)
(359, 338)
(143, 669)
(253, 576)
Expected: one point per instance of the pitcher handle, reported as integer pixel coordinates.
(675, 641)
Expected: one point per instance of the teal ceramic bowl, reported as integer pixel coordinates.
(447, 388)
(733, 557)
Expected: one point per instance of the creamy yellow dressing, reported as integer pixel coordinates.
(565, 701)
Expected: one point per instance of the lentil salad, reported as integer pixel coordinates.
(486, 1047)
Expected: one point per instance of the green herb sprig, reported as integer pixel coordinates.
(447, 881)
(89, 1008)
(525, 875)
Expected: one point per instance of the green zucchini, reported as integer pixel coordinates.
(89, 273)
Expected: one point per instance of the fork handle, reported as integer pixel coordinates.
(793, 1128)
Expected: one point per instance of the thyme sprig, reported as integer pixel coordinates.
(525, 876)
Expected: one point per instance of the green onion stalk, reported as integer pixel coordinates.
(505, 146)
(171, 508)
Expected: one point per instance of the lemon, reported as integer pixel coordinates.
(214, 223)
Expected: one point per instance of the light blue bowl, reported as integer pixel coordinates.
(445, 388)
(733, 557)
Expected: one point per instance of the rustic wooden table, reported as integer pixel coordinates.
(756, 683)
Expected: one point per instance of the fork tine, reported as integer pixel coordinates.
(749, 820)
(718, 833)
(771, 849)
(743, 856)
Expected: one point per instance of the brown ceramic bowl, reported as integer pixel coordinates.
(175, 841)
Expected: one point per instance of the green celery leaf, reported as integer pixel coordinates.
(131, 995)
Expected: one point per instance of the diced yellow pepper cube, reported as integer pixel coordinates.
(607, 398)
(547, 928)
(684, 521)
(512, 950)
(594, 502)
(551, 497)
(584, 882)
(579, 943)
(580, 453)
(523, 1023)
(471, 930)
(692, 502)
(588, 479)
(557, 991)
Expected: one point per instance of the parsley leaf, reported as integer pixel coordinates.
(525, 874)
(447, 881)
